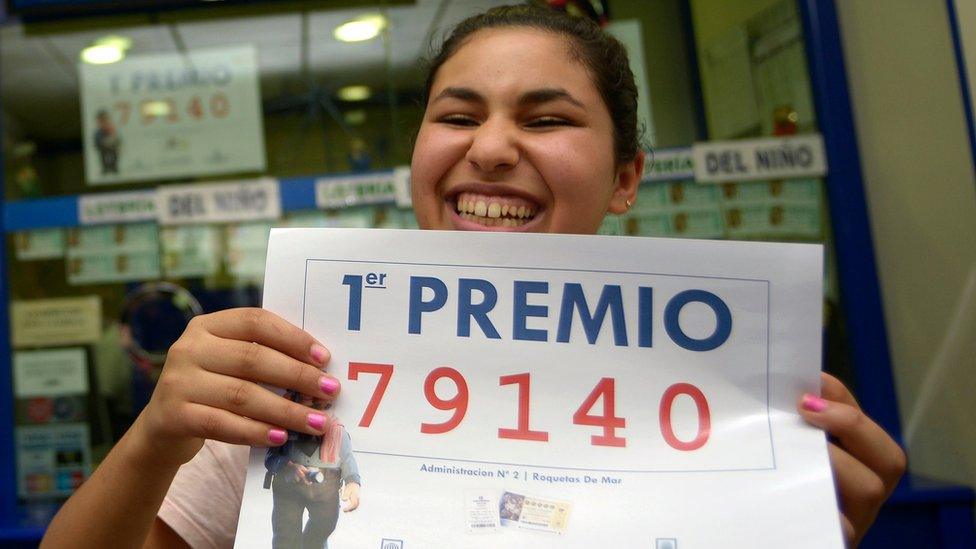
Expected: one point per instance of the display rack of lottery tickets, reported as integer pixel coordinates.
(920, 513)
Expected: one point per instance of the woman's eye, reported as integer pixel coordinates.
(547, 121)
(458, 120)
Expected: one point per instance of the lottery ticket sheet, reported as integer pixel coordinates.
(512, 390)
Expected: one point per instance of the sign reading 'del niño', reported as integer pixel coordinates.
(507, 390)
(227, 201)
(772, 158)
(172, 115)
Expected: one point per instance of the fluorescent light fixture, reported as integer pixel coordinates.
(361, 28)
(355, 93)
(107, 49)
(102, 54)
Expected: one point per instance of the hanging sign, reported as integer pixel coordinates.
(50, 373)
(669, 165)
(515, 390)
(172, 115)
(227, 201)
(772, 158)
(65, 321)
(117, 207)
(339, 192)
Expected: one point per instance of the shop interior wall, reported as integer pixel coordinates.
(668, 68)
(921, 193)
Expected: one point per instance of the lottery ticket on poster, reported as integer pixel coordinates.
(503, 390)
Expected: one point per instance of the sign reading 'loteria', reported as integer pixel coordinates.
(669, 165)
(172, 115)
(554, 391)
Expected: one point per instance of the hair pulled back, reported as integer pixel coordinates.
(603, 56)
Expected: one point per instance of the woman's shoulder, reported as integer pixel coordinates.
(231, 457)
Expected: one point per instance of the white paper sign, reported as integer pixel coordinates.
(772, 158)
(602, 390)
(63, 321)
(227, 201)
(51, 373)
(172, 115)
(117, 207)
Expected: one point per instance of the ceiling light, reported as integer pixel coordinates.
(102, 54)
(360, 28)
(355, 93)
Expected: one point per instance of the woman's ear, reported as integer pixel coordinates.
(626, 181)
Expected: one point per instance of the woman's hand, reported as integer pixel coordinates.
(350, 494)
(210, 386)
(867, 463)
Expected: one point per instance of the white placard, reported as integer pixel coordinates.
(172, 115)
(603, 390)
(771, 158)
(117, 207)
(669, 165)
(63, 321)
(355, 190)
(227, 201)
(52, 373)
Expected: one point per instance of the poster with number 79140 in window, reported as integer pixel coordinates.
(503, 390)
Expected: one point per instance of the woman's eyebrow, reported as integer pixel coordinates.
(532, 97)
(545, 95)
(464, 94)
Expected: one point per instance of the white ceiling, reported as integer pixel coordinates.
(38, 72)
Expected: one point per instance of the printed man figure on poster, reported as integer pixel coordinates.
(307, 472)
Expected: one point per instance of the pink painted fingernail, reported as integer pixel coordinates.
(316, 421)
(814, 403)
(328, 385)
(319, 354)
(277, 436)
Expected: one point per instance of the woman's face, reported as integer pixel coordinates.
(517, 138)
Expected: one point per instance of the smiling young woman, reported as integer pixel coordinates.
(530, 126)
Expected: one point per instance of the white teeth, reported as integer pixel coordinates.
(480, 208)
(494, 210)
(505, 209)
(521, 212)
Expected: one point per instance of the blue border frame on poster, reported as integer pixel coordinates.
(964, 76)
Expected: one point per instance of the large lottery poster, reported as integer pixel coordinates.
(505, 390)
(172, 116)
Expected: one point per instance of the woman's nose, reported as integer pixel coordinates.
(494, 147)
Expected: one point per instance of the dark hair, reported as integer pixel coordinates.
(603, 55)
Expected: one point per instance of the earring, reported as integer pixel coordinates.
(628, 203)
